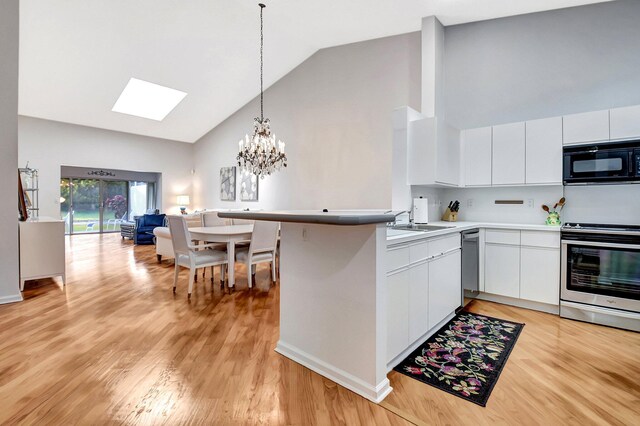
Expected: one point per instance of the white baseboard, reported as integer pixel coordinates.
(520, 303)
(373, 393)
(11, 299)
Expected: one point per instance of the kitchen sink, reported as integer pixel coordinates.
(420, 228)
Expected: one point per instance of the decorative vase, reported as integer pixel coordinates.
(553, 219)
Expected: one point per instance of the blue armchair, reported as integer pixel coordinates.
(144, 227)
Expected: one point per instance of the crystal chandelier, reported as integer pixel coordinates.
(260, 154)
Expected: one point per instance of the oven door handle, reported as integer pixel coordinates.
(597, 244)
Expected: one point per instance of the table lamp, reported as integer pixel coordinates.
(183, 202)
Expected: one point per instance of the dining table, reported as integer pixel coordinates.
(229, 234)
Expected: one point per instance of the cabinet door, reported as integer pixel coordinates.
(502, 270)
(540, 275)
(397, 313)
(445, 286)
(508, 154)
(625, 122)
(544, 151)
(447, 155)
(418, 301)
(477, 156)
(585, 127)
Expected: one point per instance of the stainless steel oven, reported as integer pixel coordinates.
(601, 164)
(600, 279)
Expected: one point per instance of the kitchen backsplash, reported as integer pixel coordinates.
(478, 204)
(615, 204)
(610, 204)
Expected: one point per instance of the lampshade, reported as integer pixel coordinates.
(183, 200)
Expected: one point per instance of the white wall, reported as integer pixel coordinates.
(9, 14)
(334, 112)
(543, 64)
(47, 145)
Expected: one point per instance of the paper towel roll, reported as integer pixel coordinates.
(421, 210)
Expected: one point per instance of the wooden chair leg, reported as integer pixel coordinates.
(222, 275)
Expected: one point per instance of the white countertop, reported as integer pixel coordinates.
(395, 236)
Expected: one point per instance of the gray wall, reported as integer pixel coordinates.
(544, 64)
(9, 151)
(334, 112)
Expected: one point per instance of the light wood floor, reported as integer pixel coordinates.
(117, 346)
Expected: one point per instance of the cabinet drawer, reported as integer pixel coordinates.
(444, 244)
(418, 252)
(503, 236)
(540, 239)
(397, 257)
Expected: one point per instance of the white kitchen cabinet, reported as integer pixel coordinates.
(585, 127)
(502, 269)
(625, 122)
(397, 313)
(508, 154)
(544, 151)
(477, 156)
(433, 153)
(418, 300)
(445, 286)
(540, 274)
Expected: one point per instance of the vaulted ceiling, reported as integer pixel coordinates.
(76, 56)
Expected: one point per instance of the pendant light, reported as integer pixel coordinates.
(260, 154)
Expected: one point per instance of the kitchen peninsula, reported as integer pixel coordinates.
(336, 309)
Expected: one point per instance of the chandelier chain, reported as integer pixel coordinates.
(262, 6)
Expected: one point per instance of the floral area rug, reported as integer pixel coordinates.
(465, 357)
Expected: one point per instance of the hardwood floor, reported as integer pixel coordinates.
(116, 346)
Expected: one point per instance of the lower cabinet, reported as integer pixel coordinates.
(502, 269)
(523, 265)
(397, 313)
(445, 286)
(419, 300)
(424, 285)
(540, 274)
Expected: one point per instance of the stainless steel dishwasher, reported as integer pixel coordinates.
(470, 261)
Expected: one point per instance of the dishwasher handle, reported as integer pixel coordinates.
(470, 236)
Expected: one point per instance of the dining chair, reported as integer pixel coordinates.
(212, 219)
(191, 255)
(262, 249)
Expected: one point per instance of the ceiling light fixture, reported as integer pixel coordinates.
(260, 154)
(147, 100)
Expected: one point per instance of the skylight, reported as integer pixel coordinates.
(147, 100)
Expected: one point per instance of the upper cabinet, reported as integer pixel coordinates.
(523, 153)
(477, 156)
(586, 127)
(433, 153)
(544, 151)
(508, 154)
(625, 122)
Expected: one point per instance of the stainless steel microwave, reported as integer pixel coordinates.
(601, 163)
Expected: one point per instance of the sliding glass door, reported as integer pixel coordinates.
(100, 205)
(115, 204)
